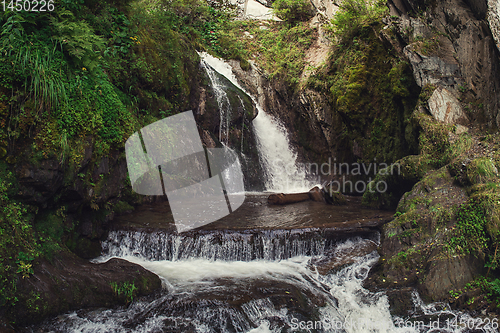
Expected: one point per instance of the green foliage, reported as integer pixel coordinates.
(293, 11)
(24, 265)
(355, 16)
(470, 233)
(18, 245)
(43, 66)
(278, 48)
(373, 93)
(126, 289)
(481, 170)
(495, 288)
(434, 140)
(77, 38)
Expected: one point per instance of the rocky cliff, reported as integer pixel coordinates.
(437, 64)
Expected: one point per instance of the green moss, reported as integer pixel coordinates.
(482, 170)
(372, 93)
(122, 207)
(400, 178)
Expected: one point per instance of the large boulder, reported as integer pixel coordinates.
(69, 283)
(444, 106)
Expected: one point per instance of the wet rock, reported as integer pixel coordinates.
(339, 259)
(449, 274)
(316, 194)
(70, 283)
(239, 134)
(400, 301)
(38, 183)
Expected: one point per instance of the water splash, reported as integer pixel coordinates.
(279, 160)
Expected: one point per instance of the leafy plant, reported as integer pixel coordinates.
(43, 66)
(77, 38)
(470, 233)
(293, 11)
(126, 289)
(24, 264)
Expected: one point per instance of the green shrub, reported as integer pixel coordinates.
(353, 16)
(293, 11)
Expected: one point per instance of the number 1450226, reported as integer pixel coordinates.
(28, 5)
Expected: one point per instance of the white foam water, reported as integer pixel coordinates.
(188, 303)
(222, 102)
(279, 161)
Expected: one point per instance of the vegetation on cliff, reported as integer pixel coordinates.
(74, 84)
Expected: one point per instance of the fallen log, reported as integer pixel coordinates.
(287, 198)
(315, 194)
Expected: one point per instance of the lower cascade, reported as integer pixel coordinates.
(302, 280)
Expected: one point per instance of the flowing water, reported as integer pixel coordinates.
(222, 102)
(278, 159)
(266, 282)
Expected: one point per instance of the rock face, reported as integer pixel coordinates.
(414, 251)
(449, 274)
(446, 108)
(239, 135)
(494, 20)
(432, 69)
(452, 47)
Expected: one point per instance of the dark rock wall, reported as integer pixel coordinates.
(463, 59)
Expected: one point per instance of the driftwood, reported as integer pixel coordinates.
(287, 198)
(314, 194)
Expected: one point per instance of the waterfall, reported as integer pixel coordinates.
(280, 162)
(222, 102)
(234, 246)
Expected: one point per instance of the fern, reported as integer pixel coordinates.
(77, 38)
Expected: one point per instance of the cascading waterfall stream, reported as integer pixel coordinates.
(218, 282)
(222, 102)
(278, 159)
